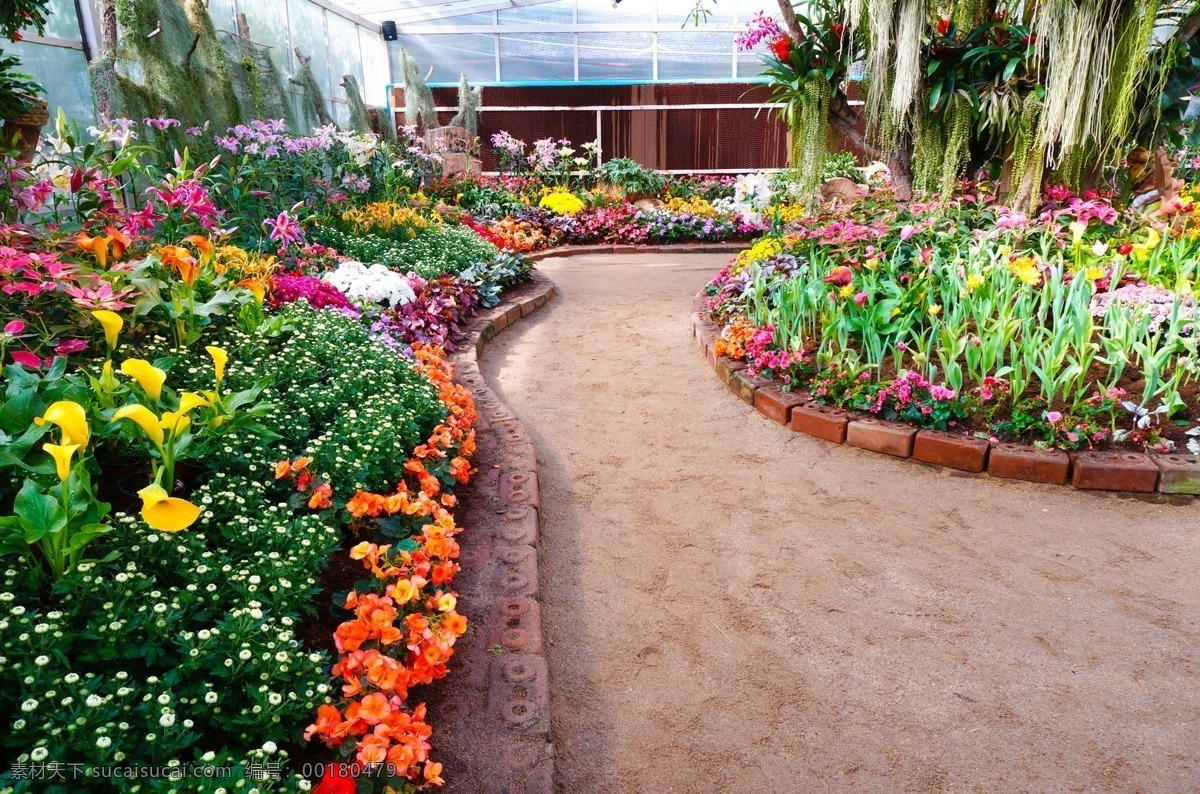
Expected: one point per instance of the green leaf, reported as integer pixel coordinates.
(935, 94)
(85, 535)
(1010, 69)
(39, 514)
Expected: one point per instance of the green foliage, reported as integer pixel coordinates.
(17, 89)
(181, 72)
(360, 119)
(315, 112)
(630, 176)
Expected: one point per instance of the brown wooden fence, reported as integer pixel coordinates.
(693, 127)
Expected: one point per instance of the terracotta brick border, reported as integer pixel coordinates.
(1125, 472)
(510, 679)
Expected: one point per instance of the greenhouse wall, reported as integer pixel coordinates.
(338, 42)
(634, 77)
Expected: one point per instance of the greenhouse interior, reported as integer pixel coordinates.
(538, 395)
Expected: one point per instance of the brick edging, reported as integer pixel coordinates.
(517, 681)
(1129, 472)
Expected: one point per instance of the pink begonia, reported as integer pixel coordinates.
(14, 327)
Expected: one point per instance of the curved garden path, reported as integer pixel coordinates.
(733, 607)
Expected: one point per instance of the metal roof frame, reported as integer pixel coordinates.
(406, 12)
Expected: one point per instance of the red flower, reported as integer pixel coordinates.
(336, 780)
(943, 26)
(1124, 249)
(782, 47)
(840, 276)
(838, 28)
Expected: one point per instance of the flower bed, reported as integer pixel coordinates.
(189, 441)
(1073, 329)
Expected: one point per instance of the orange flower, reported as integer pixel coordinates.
(282, 469)
(373, 708)
(321, 497)
(182, 260)
(455, 623)
(433, 774)
(118, 239)
(301, 463)
(256, 285)
(96, 246)
(203, 244)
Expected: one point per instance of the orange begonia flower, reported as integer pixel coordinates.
(321, 497)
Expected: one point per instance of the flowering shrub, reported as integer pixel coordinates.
(561, 203)
(376, 284)
(319, 294)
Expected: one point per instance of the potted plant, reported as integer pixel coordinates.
(22, 108)
(633, 180)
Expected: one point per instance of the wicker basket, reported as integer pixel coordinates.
(22, 131)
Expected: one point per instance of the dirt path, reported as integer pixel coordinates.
(731, 607)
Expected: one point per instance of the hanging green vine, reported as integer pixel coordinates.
(1028, 153)
(810, 131)
(960, 118)
(927, 151)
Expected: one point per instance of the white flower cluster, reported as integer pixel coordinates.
(374, 283)
(752, 194)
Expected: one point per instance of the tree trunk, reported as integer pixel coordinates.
(107, 59)
(845, 119)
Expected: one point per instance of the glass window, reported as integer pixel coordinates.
(345, 56)
(748, 8)
(750, 64)
(375, 67)
(269, 30)
(62, 22)
(450, 54)
(561, 12)
(537, 57)
(463, 20)
(63, 73)
(308, 36)
(695, 55)
(616, 56)
(221, 12)
(341, 114)
(677, 13)
(601, 12)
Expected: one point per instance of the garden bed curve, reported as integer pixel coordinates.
(1175, 476)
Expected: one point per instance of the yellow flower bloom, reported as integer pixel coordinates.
(974, 282)
(164, 512)
(219, 357)
(112, 323)
(846, 291)
(935, 310)
(70, 418)
(149, 376)
(1026, 270)
(446, 603)
(144, 418)
(403, 591)
(62, 454)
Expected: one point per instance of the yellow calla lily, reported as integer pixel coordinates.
(71, 418)
(62, 454)
(112, 323)
(189, 401)
(144, 418)
(219, 357)
(164, 512)
(175, 422)
(149, 376)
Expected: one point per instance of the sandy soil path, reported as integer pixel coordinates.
(731, 607)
